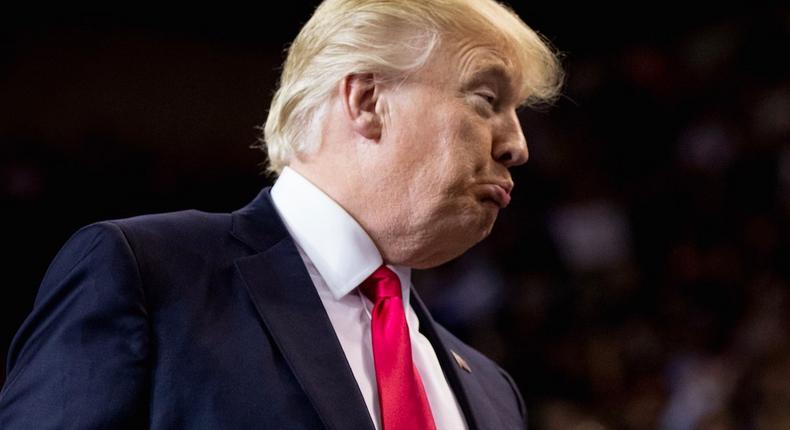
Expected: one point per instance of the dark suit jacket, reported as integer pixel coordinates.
(193, 320)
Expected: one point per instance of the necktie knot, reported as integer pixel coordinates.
(383, 283)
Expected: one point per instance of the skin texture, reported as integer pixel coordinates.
(423, 165)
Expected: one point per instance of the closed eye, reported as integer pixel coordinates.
(489, 97)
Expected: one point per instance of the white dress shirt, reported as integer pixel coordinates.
(339, 255)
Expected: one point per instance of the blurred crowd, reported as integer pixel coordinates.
(639, 280)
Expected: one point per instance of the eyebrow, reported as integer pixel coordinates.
(491, 70)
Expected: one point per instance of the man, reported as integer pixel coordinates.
(392, 133)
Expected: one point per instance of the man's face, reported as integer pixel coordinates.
(453, 132)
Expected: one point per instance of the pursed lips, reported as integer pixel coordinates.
(498, 193)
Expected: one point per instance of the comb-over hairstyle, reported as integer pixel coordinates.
(390, 39)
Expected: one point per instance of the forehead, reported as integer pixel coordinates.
(468, 62)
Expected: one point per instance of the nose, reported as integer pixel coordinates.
(510, 145)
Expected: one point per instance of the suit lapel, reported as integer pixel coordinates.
(476, 405)
(286, 299)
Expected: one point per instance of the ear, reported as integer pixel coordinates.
(359, 94)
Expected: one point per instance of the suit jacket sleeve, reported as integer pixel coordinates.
(79, 361)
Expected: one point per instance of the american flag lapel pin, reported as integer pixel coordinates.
(461, 362)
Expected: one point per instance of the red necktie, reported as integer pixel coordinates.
(404, 405)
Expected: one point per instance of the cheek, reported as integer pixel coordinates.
(452, 155)
(477, 133)
(471, 146)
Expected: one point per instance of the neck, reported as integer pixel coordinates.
(379, 215)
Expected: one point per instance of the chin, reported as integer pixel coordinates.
(485, 221)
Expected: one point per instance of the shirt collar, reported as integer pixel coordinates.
(336, 244)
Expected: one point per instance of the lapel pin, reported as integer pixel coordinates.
(461, 362)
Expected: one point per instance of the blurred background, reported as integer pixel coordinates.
(639, 280)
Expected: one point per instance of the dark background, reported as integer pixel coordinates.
(639, 279)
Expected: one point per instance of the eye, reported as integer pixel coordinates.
(488, 96)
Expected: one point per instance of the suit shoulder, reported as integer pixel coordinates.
(164, 228)
(187, 222)
(171, 229)
(176, 237)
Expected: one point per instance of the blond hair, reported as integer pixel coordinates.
(390, 39)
